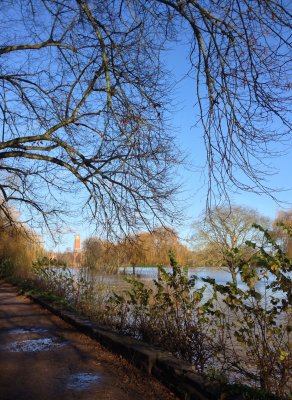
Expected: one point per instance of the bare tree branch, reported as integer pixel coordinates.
(84, 95)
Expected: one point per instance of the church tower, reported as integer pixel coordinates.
(77, 251)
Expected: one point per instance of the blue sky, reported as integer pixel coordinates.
(190, 139)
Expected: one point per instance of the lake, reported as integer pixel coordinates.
(148, 274)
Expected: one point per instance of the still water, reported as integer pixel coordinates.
(148, 274)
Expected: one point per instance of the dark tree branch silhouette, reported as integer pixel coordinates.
(241, 62)
(80, 105)
(84, 94)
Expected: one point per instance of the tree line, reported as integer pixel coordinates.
(19, 247)
(219, 239)
(143, 249)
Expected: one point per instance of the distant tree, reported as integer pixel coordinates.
(68, 257)
(283, 217)
(142, 249)
(153, 248)
(220, 237)
(19, 247)
(93, 252)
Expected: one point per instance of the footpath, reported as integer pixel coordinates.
(44, 358)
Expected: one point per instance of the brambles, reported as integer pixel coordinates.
(242, 331)
(238, 332)
(61, 281)
(258, 318)
(170, 314)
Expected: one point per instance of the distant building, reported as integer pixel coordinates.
(77, 245)
(77, 251)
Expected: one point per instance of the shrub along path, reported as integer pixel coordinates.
(42, 357)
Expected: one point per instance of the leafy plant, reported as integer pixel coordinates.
(258, 318)
(171, 314)
(237, 332)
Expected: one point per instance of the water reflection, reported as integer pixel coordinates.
(117, 281)
(82, 380)
(32, 345)
(148, 274)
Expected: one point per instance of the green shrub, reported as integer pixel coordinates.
(258, 321)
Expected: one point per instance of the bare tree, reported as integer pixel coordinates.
(222, 234)
(83, 99)
(81, 108)
(240, 56)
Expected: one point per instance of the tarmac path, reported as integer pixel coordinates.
(44, 358)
